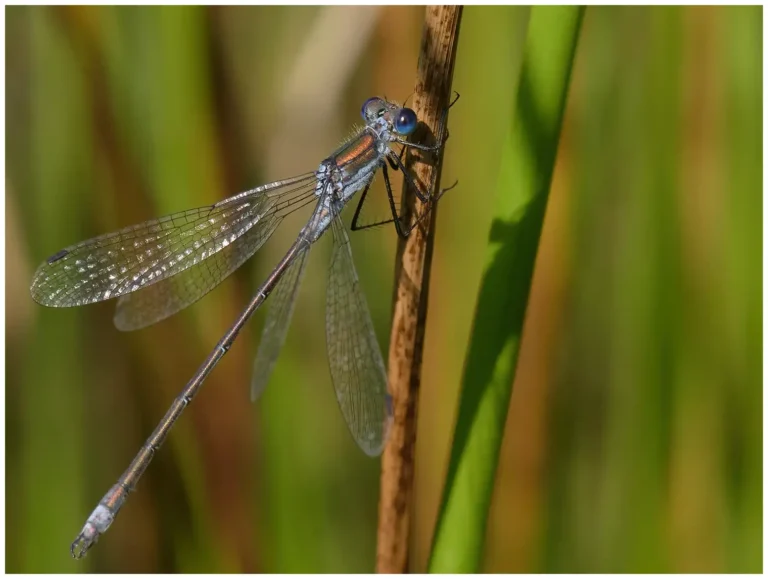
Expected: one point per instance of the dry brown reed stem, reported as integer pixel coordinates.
(414, 255)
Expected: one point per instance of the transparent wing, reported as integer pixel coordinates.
(357, 368)
(135, 257)
(164, 298)
(281, 304)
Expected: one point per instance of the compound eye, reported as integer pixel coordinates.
(405, 123)
(372, 108)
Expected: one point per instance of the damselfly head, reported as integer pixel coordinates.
(375, 108)
(401, 120)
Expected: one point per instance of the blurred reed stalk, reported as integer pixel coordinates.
(525, 176)
(414, 256)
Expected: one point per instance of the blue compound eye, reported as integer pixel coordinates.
(370, 108)
(405, 123)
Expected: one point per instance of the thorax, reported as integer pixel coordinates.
(345, 172)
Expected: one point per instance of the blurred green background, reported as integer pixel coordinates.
(634, 432)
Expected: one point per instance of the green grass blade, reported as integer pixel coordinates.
(526, 171)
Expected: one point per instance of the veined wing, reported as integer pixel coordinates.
(281, 303)
(135, 257)
(357, 368)
(164, 298)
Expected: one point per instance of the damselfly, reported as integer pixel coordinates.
(161, 266)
